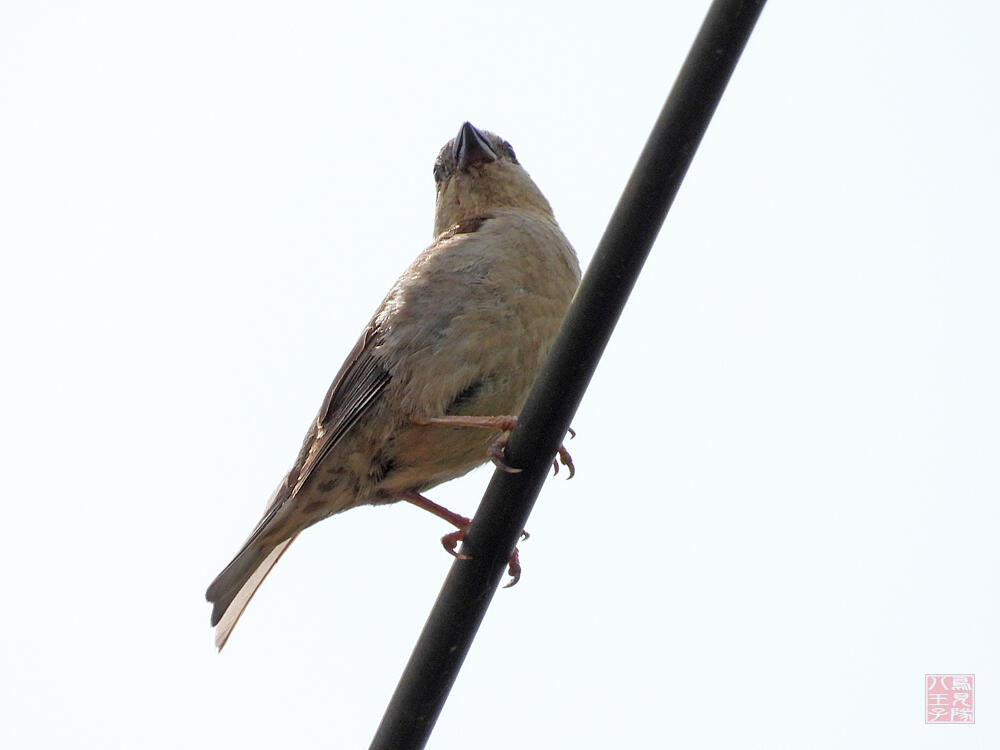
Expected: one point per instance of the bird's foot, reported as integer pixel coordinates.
(450, 541)
(496, 450)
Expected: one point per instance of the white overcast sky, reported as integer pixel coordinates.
(785, 512)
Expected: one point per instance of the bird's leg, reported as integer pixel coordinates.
(450, 541)
(495, 451)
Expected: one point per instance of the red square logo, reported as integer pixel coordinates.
(949, 699)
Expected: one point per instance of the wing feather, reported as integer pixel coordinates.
(354, 390)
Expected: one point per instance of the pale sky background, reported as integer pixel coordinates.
(785, 512)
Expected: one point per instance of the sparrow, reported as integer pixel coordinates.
(428, 391)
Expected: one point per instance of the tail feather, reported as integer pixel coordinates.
(235, 586)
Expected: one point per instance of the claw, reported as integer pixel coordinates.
(514, 569)
(495, 453)
(450, 542)
(567, 461)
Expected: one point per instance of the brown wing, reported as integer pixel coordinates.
(357, 385)
(360, 381)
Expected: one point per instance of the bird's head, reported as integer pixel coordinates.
(477, 172)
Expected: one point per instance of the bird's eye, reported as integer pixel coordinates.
(439, 171)
(510, 152)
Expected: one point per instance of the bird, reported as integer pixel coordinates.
(431, 389)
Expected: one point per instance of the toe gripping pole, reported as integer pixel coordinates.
(490, 540)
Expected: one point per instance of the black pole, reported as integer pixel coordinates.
(560, 386)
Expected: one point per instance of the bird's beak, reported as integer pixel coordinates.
(471, 147)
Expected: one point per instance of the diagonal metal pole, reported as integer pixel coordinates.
(556, 394)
